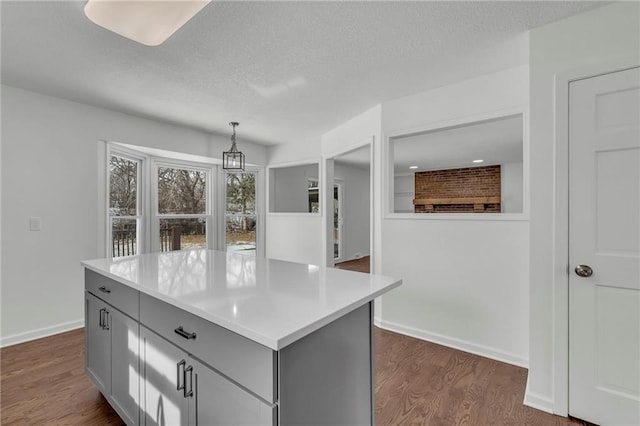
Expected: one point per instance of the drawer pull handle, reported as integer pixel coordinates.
(104, 319)
(185, 392)
(104, 289)
(180, 374)
(180, 331)
(101, 322)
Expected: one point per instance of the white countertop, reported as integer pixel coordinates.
(269, 301)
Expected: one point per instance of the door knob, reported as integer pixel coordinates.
(584, 271)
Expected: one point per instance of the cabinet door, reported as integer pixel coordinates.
(217, 401)
(98, 343)
(162, 397)
(125, 370)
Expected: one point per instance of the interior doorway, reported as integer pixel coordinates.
(352, 209)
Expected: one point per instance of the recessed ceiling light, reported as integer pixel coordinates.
(478, 161)
(413, 167)
(147, 22)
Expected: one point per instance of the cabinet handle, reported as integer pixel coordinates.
(101, 320)
(180, 374)
(104, 289)
(188, 393)
(180, 331)
(105, 326)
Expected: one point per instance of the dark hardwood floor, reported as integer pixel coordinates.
(359, 265)
(417, 383)
(43, 382)
(421, 383)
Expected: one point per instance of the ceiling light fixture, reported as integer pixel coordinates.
(233, 159)
(147, 22)
(413, 167)
(478, 161)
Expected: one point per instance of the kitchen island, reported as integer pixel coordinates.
(201, 337)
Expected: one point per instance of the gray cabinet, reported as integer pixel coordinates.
(124, 366)
(217, 401)
(162, 392)
(98, 343)
(111, 356)
(158, 364)
(177, 389)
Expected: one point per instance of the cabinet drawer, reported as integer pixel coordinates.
(117, 295)
(244, 361)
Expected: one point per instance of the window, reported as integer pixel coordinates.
(294, 189)
(164, 201)
(182, 207)
(240, 215)
(124, 215)
(473, 167)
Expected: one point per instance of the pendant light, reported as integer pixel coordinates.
(233, 159)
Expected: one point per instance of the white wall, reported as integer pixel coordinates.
(604, 39)
(295, 237)
(304, 152)
(512, 190)
(403, 193)
(355, 209)
(50, 169)
(465, 281)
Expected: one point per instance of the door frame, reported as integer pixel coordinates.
(560, 267)
(328, 176)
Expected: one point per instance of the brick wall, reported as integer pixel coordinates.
(469, 182)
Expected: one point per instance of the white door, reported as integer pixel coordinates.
(604, 237)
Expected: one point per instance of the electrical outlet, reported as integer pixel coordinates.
(35, 223)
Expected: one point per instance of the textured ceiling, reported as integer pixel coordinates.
(287, 71)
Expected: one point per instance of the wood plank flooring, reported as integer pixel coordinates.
(43, 382)
(421, 383)
(417, 383)
(359, 265)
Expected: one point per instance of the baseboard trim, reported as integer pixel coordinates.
(538, 402)
(462, 345)
(40, 333)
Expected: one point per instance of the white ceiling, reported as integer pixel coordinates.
(287, 71)
(495, 142)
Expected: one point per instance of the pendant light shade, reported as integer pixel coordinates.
(233, 159)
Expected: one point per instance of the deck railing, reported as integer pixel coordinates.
(124, 241)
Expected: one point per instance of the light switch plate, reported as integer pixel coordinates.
(35, 223)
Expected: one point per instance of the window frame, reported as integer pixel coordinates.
(222, 243)
(155, 216)
(142, 231)
(216, 196)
